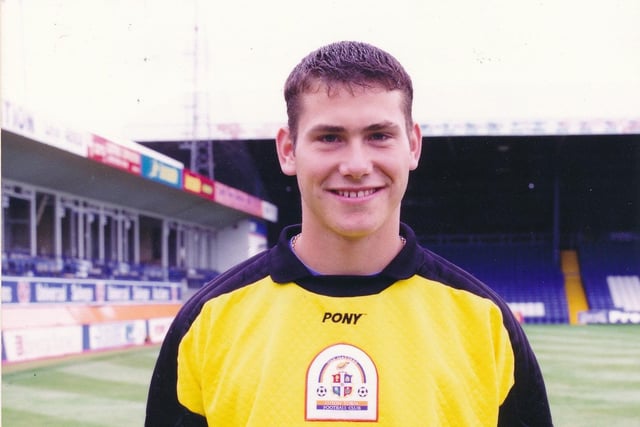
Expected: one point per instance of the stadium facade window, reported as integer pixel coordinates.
(17, 218)
(70, 226)
(45, 224)
(93, 235)
(150, 239)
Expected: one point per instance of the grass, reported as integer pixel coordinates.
(103, 389)
(592, 375)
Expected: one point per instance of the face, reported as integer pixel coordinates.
(352, 159)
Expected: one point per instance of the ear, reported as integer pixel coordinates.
(415, 145)
(286, 151)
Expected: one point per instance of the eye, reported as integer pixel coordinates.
(329, 138)
(379, 136)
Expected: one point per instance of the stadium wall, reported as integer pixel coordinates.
(49, 317)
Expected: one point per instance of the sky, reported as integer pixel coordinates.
(140, 69)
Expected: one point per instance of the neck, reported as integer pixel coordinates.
(328, 253)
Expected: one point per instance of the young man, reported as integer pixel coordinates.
(347, 319)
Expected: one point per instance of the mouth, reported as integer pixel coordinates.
(355, 194)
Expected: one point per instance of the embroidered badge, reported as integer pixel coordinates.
(342, 385)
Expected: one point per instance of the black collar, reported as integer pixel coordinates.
(286, 267)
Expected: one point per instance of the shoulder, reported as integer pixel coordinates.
(237, 277)
(434, 267)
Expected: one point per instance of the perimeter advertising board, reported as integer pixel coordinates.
(22, 290)
(609, 317)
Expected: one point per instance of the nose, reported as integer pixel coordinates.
(356, 162)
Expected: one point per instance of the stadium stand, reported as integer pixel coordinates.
(611, 274)
(103, 239)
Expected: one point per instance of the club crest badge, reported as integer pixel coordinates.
(342, 385)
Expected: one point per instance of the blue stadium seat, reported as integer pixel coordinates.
(603, 259)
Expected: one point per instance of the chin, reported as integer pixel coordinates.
(357, 228)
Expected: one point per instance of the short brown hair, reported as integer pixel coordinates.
(346, 63)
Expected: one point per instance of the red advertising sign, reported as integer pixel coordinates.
(200, 185)
(112, 154)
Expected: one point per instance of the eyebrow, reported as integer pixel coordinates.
(321, 128)
(382, 126)
(327, 129)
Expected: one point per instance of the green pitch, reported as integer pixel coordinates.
(592, 375)
(107, 389)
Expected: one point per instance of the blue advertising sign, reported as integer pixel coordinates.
(163, 173)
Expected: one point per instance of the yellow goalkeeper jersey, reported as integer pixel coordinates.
(423, 343)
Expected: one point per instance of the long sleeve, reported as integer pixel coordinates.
(163, 408)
